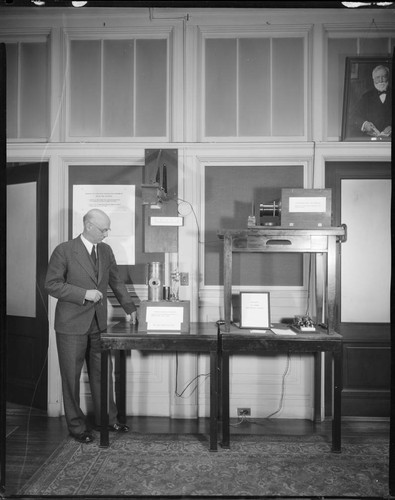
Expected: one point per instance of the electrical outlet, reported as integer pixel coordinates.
(244, 412)
(184, 279)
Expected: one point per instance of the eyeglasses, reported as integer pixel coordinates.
(101, 230)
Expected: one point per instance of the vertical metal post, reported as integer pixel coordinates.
(228, 241)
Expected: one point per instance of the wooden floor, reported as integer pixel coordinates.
(32, 436)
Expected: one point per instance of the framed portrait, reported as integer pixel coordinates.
(255, 310)
(367, 103)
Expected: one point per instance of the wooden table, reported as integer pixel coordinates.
(261, 239)
(124, 336)
(242, 341)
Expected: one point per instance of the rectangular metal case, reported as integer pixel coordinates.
(306, 208)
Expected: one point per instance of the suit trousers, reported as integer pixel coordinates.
(73, 350)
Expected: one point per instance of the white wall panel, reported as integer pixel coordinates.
(21, 249)
(366, 257)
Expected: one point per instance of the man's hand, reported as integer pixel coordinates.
(93, 296)
(370, 129)
(132, 317)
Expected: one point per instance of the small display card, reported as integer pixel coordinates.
(164, 319)
(254, 310)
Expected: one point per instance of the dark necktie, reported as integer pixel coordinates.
(93, 255)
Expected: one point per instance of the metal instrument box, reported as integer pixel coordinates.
(306, 208)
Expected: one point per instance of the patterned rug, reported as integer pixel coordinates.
(168, 465)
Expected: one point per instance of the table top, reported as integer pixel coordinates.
(279, 337)
(280, 231)
(204, 337)
(125, 335)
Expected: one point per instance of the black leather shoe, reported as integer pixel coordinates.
(118, 428)
(83, 437)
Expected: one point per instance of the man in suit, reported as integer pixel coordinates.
(78, 275)
(373, 112)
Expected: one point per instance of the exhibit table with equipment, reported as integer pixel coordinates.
(276, 239)
(320, 338)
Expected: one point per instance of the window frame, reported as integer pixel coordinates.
(17, 37)
(298, 31)
(174, 82)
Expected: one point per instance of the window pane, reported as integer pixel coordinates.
(254, 87)
(118, 56)
(85, 88)
(34, 92)
(288, 87)
(151, 88)
(12, 90)
(221, 85)
(229, 194)
(338, 50)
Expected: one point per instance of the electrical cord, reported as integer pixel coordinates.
(286, 371)
(244, 418)
(193, 211)
(195, 379)
(309, 286)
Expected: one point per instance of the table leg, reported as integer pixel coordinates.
(331, 284)
(121, 385)
(225, 399)
(337, 392)
(213, 400)
(104, 438)
(317, 386)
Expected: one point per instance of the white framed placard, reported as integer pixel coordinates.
(255, 310)
(118, 202)
(164, 318)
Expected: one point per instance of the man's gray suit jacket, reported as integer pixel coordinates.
(71, 273)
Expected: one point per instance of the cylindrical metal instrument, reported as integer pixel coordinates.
(155, 281)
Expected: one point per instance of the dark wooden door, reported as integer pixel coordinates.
(361, 194)
(27, 303)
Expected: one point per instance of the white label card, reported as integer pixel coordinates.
(165, 318)
(254, 310)
(166, 221)
(307, 204)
